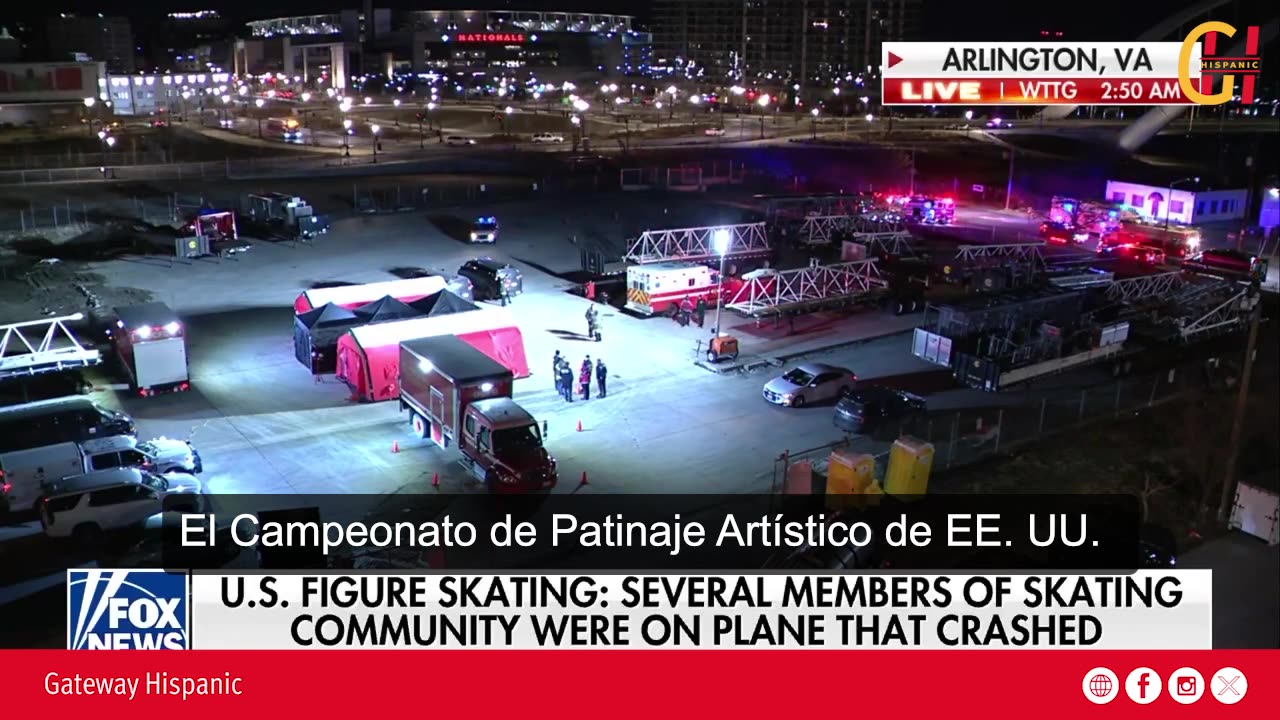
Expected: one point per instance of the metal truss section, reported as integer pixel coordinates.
(1026, 253)
(797, 207)
(1230, 312)
(817, 229)
(697, 244)
(40, 346)
(773, 293)
(1142, 287)
(886, 243)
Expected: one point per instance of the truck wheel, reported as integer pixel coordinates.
(915, 305)
(899, 308)
(421, 427)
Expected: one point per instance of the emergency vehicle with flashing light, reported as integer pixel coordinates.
(659, 288)
(287, 128)
(484, 230)
(151, 343)
(1228, 263)
(1177, 242)
(927, 210)
(1057, 233)
(1090, 217)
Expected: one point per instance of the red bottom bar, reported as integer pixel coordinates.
(1033, 91)
(644, 684)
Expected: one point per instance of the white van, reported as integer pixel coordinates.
(86, 506)
(23, 474)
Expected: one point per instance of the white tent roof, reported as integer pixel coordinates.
(486, 317)
(348, 294)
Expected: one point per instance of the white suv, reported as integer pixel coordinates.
(85, 506)
(547, 137)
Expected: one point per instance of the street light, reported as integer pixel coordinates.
(396, 104)
(346, 137)
(306, 97)
(1169, 200)
(108, 142)
(375, 129)
(720, 240)
(259, 103)
(89, 102)
(813, 125)
(870, 119)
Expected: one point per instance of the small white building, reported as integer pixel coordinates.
(1185, 204)
(1269, 214)
(171, 93)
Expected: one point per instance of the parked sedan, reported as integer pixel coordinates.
(458, 141)
(713, 132)
(871, 407)
(810, 383)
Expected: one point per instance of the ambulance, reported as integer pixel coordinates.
(1087, 216)
(660, 287)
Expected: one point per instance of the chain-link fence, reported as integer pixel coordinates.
(80, 159)
(964, 436)
(371, 198)
(70, 214)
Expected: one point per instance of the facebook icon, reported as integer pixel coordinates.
(1143, 686)
(126, 610)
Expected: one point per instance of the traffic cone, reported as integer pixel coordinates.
(584, 479)
(395, 446)
(435, 480)
(579, 426)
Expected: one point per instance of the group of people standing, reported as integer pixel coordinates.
(563, 373)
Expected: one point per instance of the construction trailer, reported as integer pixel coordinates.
(368, 357)
(290, 214)
(151, 343)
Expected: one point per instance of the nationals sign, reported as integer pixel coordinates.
(490, 37)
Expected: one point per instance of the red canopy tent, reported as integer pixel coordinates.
(353, 296)
(369, 356)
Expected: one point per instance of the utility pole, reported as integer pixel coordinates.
(1237, 422)
(1008, 190)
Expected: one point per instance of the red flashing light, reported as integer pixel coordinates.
(184, 387)
(5, 488)
(948, 201)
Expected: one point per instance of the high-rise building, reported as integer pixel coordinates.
(101, 38)
(777, 40)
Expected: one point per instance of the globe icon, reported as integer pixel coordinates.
(1100, 685)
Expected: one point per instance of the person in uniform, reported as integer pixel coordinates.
(700, 312)
(686, 312)
(555, 371)
(602, 375)
(566, 380)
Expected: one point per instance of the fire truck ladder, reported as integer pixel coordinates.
(56, 350)
(819, 229)
(806, 289)
(1145, 286)
(886, 243)
(1232, 311)
(697, 244)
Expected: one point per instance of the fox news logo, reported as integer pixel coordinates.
(126, 610)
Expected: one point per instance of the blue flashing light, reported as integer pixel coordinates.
(1068, 207)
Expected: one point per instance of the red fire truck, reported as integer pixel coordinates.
(1087, 216)
(1177, 242)
(926, 209)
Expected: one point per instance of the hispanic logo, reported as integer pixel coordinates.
(1249, 65)
(126, 610)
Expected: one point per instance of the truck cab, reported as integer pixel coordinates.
(503, 445)
(484, 229)
(150, 341)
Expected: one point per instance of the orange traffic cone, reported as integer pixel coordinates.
(435, 480)
(395, 446)
(579, 426)
(584, 479)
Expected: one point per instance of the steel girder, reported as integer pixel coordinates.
(1164, 285)
(38, 346)
(696, 244)
(825, 228)
(1027, 253)
(806, 288)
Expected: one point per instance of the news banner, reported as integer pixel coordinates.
(1075, 73)
(583, 586)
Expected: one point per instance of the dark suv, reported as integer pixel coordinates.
(870, 408)
(489, 278)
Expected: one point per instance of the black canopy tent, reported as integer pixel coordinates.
(385, 309)
(444, 302)
(316, 333)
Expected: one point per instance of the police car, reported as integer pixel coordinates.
(484, 230)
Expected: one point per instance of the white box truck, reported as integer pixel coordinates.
(151, 343)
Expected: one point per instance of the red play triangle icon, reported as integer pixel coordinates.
(894, 59)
